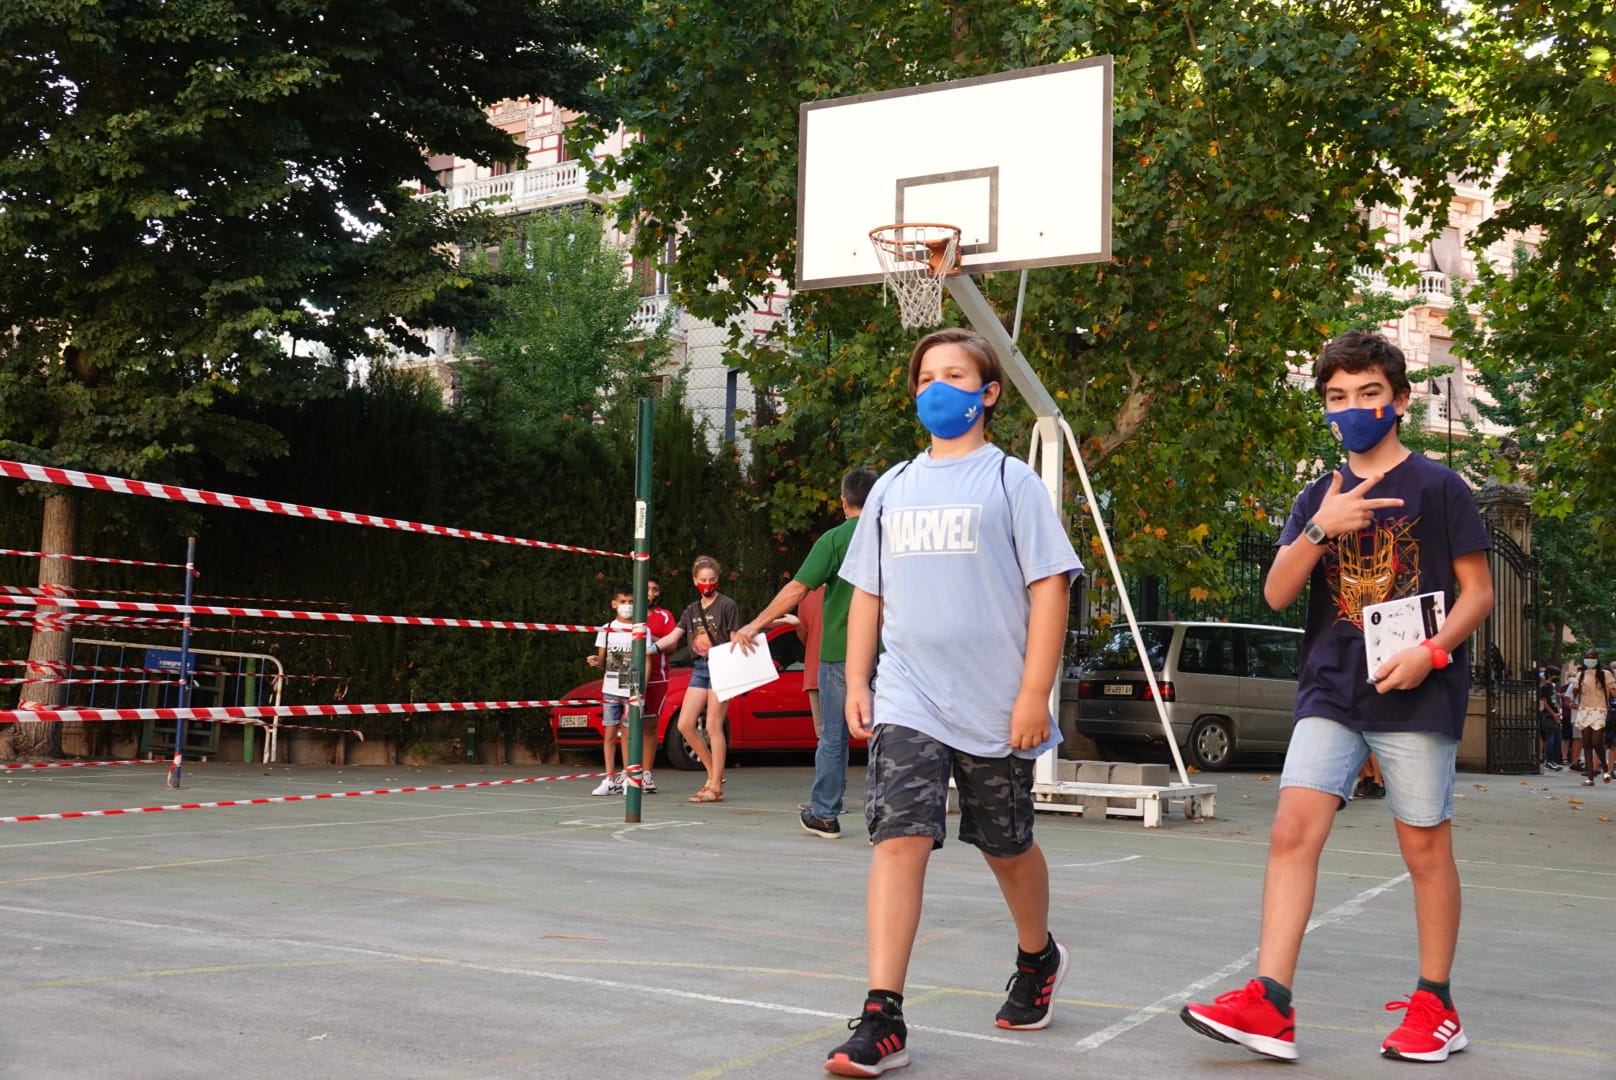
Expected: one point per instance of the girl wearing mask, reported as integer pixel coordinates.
(1596, 688)
(708, 621)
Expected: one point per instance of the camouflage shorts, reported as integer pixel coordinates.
(906, 793)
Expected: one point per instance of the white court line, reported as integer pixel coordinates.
(1340, 913)
(377, 821)
(503, 969)
(1100, 862)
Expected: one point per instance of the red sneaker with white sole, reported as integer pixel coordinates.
(1430, 1030)
(1246, 1017)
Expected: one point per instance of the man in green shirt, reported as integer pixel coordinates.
(821, 567)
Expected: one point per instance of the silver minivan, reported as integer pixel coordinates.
(1228, 688)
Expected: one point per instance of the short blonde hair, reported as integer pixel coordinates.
(705, 562)
(976, 347)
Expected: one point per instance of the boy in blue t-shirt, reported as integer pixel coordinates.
(962, 564)
(1388, 524)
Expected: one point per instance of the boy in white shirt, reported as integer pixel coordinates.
(614, 654)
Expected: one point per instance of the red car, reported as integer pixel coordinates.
(775, 716)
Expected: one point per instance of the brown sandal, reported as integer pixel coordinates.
(707, 794)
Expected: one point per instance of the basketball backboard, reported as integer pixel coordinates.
(1020, 161)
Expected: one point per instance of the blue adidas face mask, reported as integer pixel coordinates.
(1360, 430)
(947, 411)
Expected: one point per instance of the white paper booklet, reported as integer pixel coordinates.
(733, 672)
(1394, 625)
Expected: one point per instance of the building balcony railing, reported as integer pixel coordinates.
(527, 189)
(650, 313)
(1435, 287)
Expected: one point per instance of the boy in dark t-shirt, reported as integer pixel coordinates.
(1386, 525)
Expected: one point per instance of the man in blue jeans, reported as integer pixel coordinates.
(822, 567)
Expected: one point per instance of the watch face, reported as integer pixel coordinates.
(1315, 533)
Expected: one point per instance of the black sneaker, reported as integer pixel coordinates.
(1032, 992)
(880, 1042)
(829, 828)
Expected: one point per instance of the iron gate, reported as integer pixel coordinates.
(1501, 655)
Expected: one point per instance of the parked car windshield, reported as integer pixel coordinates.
(1117, 653)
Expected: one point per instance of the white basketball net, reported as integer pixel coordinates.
(915, 258)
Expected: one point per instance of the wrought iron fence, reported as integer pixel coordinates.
(1501, 658)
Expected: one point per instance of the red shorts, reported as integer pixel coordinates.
(655, 694)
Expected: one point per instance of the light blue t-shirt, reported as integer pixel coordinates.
(957, 549)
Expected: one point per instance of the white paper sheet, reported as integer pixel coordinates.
(733, 672)
(1394, 625)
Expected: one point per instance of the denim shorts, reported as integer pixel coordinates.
(699, 679)
(906, 793)
(614, 712)
(1416, 765)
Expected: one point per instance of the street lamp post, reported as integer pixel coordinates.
(1451, 403)
(1448, 404)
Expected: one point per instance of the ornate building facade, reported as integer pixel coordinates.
(549, 177)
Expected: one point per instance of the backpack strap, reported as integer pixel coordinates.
(880, 544)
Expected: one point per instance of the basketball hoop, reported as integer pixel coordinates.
(915, 257)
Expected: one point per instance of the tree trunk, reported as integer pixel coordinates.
(51, 650)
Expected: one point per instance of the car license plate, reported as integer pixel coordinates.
(1119, 690)
(576, 720)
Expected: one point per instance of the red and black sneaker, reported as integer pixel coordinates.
(1246, 1016)
(880, 1042)
(1032, 992)
(1430, 1030)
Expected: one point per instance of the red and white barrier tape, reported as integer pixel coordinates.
(37, 623)
(18, 470)
(80, 764)
(292, 798)
(239, 722)
(89, 558)
(195, 629)
(73, 603)
(23, 680)
(68, 669)
(57, 667)
(88, 617)
(71, 590)
(223, 714)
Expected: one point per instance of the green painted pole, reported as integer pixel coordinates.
(633, 752)
(249, 696)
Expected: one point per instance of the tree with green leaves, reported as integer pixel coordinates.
(1544, 88)
(563, 338)
(1248, 139)
(1570, 537)
(187, 187)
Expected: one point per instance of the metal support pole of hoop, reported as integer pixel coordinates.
(930, 262)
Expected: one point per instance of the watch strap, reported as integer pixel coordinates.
(1439, 656)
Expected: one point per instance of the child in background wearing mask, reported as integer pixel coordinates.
(961, 565)
(659, 623)
(708, 622)
(1595, 689)
(1387, 524)
(614, 645)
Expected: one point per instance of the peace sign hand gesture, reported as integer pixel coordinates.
(1344, 512)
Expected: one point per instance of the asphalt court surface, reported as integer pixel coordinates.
(527, 931)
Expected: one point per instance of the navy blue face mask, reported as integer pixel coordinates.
(947, 411)
(1360, 430)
